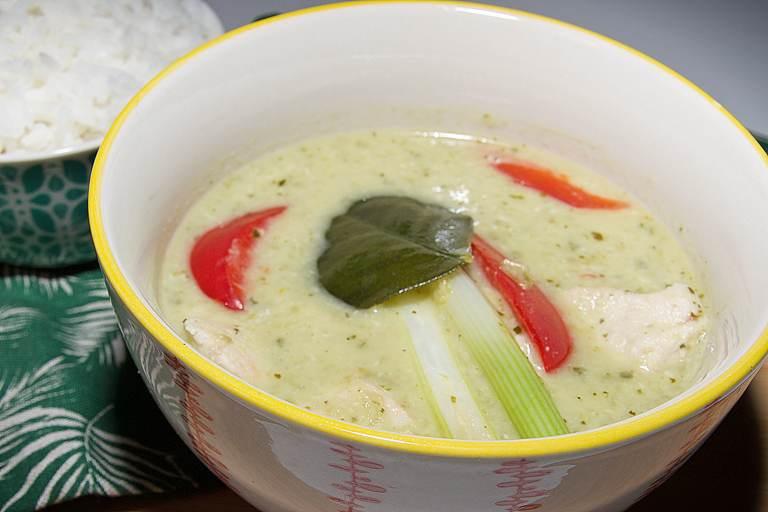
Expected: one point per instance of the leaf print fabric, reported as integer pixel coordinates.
(75, 418)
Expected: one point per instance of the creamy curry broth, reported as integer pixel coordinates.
(299, 343)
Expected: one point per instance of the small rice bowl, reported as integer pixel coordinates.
(67, 67)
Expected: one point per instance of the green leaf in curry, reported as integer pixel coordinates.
(387, 245)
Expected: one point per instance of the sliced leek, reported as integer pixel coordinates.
(450, 398)
(518, 387)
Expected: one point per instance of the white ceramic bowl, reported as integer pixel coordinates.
(435, 66)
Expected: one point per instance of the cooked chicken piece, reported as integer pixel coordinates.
(218, 343)
(369, 404)
(653, 329)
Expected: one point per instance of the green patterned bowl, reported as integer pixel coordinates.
(43, 208)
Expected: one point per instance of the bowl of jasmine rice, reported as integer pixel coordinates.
(434, 256)
(66, 70)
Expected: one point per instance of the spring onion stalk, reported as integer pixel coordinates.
(448, 394)
(518, 387)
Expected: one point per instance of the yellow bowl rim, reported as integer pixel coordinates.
(601, 438)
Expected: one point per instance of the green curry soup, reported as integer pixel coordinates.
(624, 288)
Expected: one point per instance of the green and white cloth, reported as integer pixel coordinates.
(75, 418)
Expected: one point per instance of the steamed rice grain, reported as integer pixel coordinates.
(67, 67)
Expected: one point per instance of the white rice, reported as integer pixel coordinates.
(67, 67)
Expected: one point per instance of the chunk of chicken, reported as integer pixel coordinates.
(366, 403)
(652, 329)
(358, 400)
(217, 342)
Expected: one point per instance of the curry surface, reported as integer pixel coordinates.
(304, 346)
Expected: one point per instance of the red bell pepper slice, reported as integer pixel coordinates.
(537, 315)
(556, 186)
(221, 255)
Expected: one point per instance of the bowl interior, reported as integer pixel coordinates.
(441, 67)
